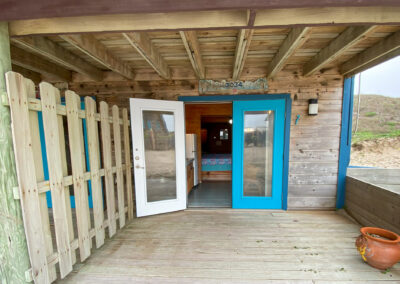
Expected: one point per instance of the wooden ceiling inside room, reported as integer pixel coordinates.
(211, 54)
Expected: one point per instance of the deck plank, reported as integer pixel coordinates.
(233, 246)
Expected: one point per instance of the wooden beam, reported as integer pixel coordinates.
(340, 44)
(242, 46)
(142, 43)
(294, 40)
(131, 22)
(59, 55)
(37, 64)
(192, 47)
(388, 46)
(327, 16)
(29, 74)
(96, 50)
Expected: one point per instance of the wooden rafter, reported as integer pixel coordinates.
(242, 47)
(378, 53)
(59, 55)
(294, 40)
(96, 50)
(142, 43)
(192, 47)
(346, 39)
(39, 65)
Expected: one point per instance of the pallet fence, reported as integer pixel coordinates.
(45, 253)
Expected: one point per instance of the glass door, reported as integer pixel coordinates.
(158, 135)
(258, 144)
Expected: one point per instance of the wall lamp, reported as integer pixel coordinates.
(312, 106)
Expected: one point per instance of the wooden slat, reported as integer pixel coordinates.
(141, 42)
(389, 45)
(37, 64)
(96, 50)
(346, 39)
(294, 40)
(107, 162)
(37, 155)
(60, 55)
(130, 22)
(94, 159)
(192, 47)
(63, 157)
(128, 165)
(75, 135)
(118, 165)
(27, 180)
(242, 47)
(51, 131)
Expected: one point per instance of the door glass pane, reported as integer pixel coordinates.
(159, 147)
(257, 153)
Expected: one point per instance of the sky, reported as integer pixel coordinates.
(383, 79)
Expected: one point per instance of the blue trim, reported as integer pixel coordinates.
(232, 98)
(288, 113)
(253, 202)
(345, 140)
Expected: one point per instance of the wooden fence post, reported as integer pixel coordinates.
(13, 247)
(94, 159)
(128, 164)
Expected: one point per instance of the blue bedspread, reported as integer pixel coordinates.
(216, 162)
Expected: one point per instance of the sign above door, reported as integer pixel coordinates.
(225, 87)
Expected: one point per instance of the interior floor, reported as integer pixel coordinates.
(211, 194)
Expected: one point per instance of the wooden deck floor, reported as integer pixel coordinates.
(233, 246)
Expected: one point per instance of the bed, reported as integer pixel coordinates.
(216, 162)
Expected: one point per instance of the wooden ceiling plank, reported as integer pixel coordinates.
(378, 53)
(39, 65)
(192, 47)
(346, 39)
(32, 75)
(59, 55)
(130, 22)
(294, 40)
(88, 44)
(142, 43)
(242, 47)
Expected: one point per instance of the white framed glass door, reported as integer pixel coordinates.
(158, 138)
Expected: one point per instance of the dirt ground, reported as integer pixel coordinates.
(382, 153)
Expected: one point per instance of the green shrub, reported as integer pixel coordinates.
(370, 114)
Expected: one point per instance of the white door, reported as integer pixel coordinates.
(158, 137)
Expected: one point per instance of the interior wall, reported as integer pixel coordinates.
(314, 141)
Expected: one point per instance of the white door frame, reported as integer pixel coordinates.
(144, 208)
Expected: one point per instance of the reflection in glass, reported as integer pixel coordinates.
(159, 145)
(257, 153)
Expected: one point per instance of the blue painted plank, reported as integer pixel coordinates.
(345, 140)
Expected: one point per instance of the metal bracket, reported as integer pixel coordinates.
(28, 275)
(4, 99)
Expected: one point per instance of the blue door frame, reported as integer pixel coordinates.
(239, 200)
(44, 156)
(288, 110)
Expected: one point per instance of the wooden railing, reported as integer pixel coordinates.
(24, 108)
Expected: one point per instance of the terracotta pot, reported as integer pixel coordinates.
(377, 252)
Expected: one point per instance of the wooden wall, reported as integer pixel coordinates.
(193, 113)
(314, 141)
(371, 204)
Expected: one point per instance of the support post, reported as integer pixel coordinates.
(14, 258)
(345, 140)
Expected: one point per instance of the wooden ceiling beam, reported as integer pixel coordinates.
(142, 43)
(346, 39)
(242, 47)
(96, 50)
(37, 64)
(294, 40)
(376, 54)
(59, 55)
(192, 47)
(32, 75)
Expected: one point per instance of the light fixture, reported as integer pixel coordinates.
(230, 121)
(312, 106)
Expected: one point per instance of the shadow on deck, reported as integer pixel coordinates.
(232, 246)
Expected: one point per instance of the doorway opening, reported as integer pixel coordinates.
(211, 124)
